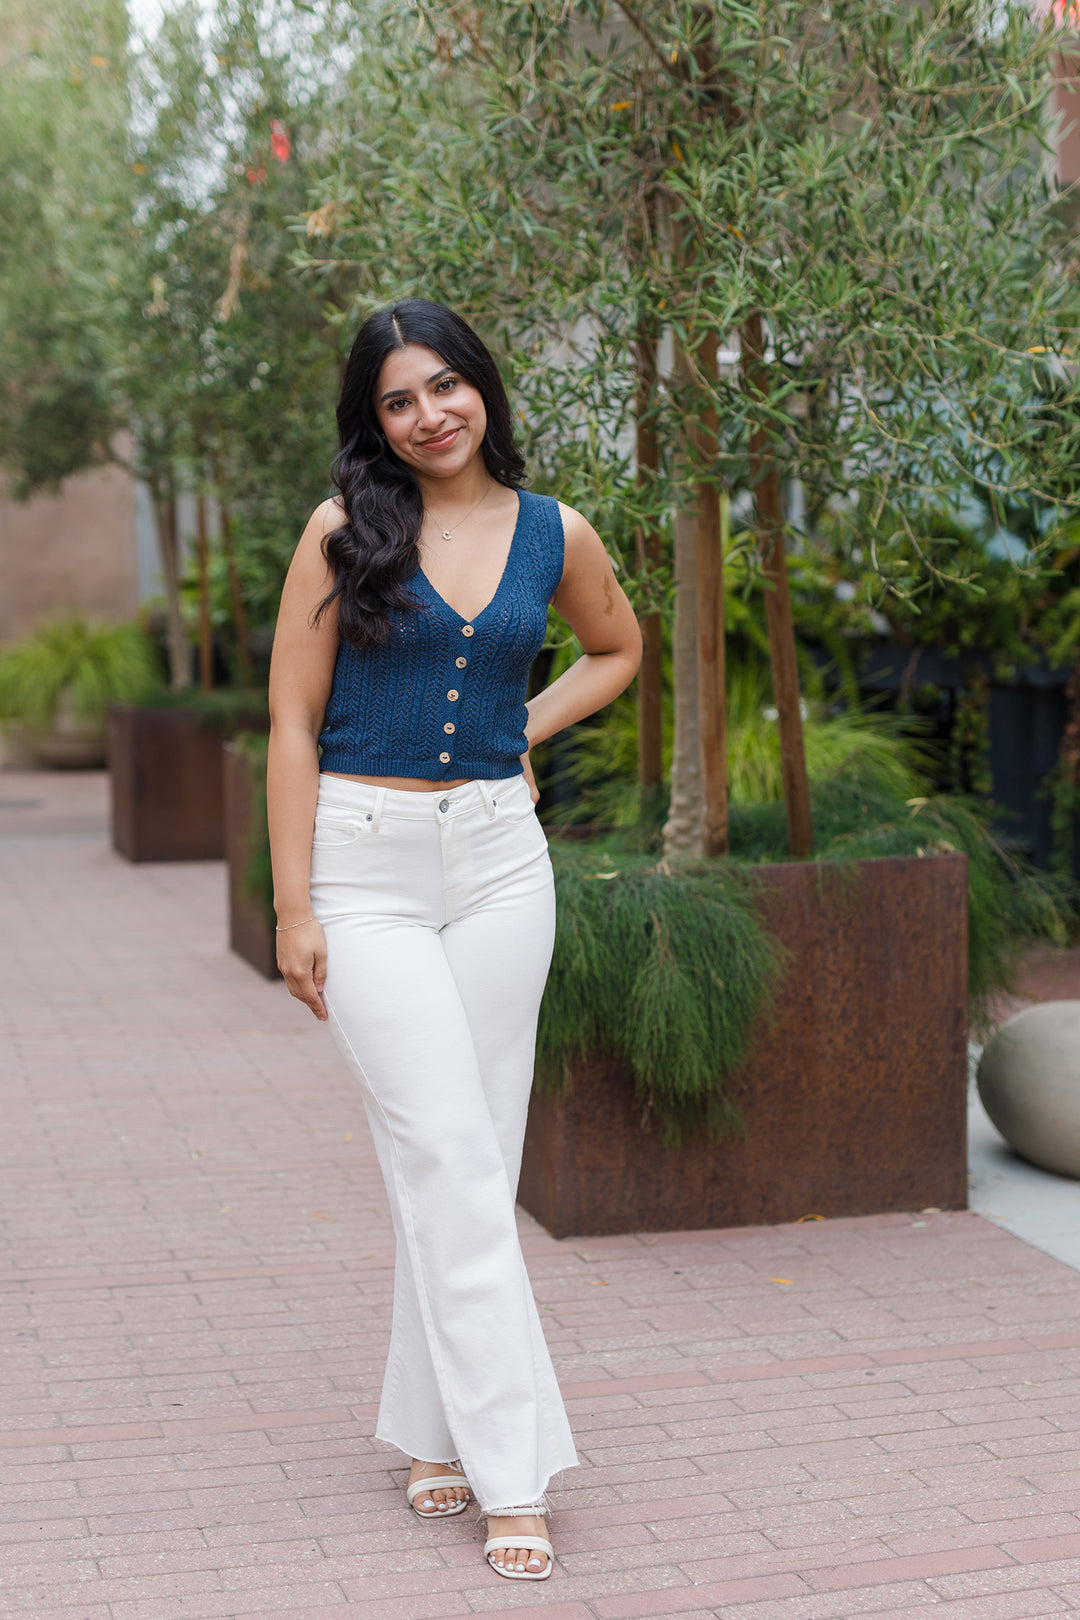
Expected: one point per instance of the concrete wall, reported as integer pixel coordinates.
(74, 551)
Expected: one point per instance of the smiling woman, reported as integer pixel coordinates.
(411, 877)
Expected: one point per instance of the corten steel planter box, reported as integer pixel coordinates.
(168, 797)
(251, 932)
(855, 1094)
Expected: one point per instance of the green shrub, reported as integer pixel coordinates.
(884, 747)
(230, 707)
(666, 971)
(95, 662)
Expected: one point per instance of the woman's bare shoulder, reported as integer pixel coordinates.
(576, 528)
(327, 517)
(330, 514)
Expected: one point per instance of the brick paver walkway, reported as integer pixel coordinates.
(875, 1417)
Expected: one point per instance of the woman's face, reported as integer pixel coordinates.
(433, 419)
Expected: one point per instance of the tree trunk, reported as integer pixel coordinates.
(650, 681)
(202, 553)
(163, 499)
(684, 831)
(236, 593)
(765, 480)
(712, 708)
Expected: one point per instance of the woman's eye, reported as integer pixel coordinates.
(396, 404)
(445, 382)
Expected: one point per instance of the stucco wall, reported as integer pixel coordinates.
(76, 550)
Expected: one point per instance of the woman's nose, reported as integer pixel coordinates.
(432, 414)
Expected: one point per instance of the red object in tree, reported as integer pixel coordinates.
(280, 144)
(256, 176)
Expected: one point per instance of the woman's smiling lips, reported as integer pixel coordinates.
(443, 442)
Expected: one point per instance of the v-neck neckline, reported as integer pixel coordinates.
(460, 617)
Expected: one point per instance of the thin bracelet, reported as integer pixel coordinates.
(278, 929)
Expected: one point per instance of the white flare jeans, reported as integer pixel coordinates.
(439, 913)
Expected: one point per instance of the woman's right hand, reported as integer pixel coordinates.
(301, 957)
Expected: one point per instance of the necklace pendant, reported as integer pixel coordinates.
(447, 535)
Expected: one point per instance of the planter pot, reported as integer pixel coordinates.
(71, 743)
(251, 931)
(854, 1096)
(168, 796)
(15, 751)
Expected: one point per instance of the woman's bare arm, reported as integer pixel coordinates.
(301, 673)
(593, 603)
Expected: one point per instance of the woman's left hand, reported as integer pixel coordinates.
(526, 766)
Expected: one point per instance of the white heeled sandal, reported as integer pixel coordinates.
(531, 1543)
(439, 1482)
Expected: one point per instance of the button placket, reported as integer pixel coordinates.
(453, 694)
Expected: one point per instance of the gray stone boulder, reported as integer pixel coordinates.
(1029, 1082)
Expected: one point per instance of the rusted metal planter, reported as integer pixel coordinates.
(166, 781)
(854, 1096)
(251, 930)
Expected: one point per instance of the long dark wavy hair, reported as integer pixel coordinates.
(376, 550)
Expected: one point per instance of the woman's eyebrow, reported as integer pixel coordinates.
(395, 392)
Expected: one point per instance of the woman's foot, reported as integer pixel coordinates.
(442, 1499)
(521, 1560)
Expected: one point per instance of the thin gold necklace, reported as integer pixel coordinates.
(448, 534)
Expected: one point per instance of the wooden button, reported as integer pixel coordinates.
(467, 630)
(452, 695)
(449, 728)
(461, 662)
(444, 759)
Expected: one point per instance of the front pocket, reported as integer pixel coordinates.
(515, 806)
(334, 834)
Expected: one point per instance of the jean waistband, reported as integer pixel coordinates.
(399, 804)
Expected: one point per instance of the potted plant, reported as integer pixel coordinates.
(55, 686)
(763, 1039)
(167, 774)
(247, 854)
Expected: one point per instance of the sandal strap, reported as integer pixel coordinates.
(437, 1482)
(530, 1543)
(537, 1511)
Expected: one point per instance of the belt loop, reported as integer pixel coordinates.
(489, 790)
(377, 810)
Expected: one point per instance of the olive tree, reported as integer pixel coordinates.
(837, 219)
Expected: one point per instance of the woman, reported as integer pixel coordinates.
(412, 883)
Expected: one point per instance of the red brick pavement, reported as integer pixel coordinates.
(871, 1417)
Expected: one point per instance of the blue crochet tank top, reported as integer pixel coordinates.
(444, 697)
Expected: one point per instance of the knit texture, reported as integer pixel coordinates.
(390, 705)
